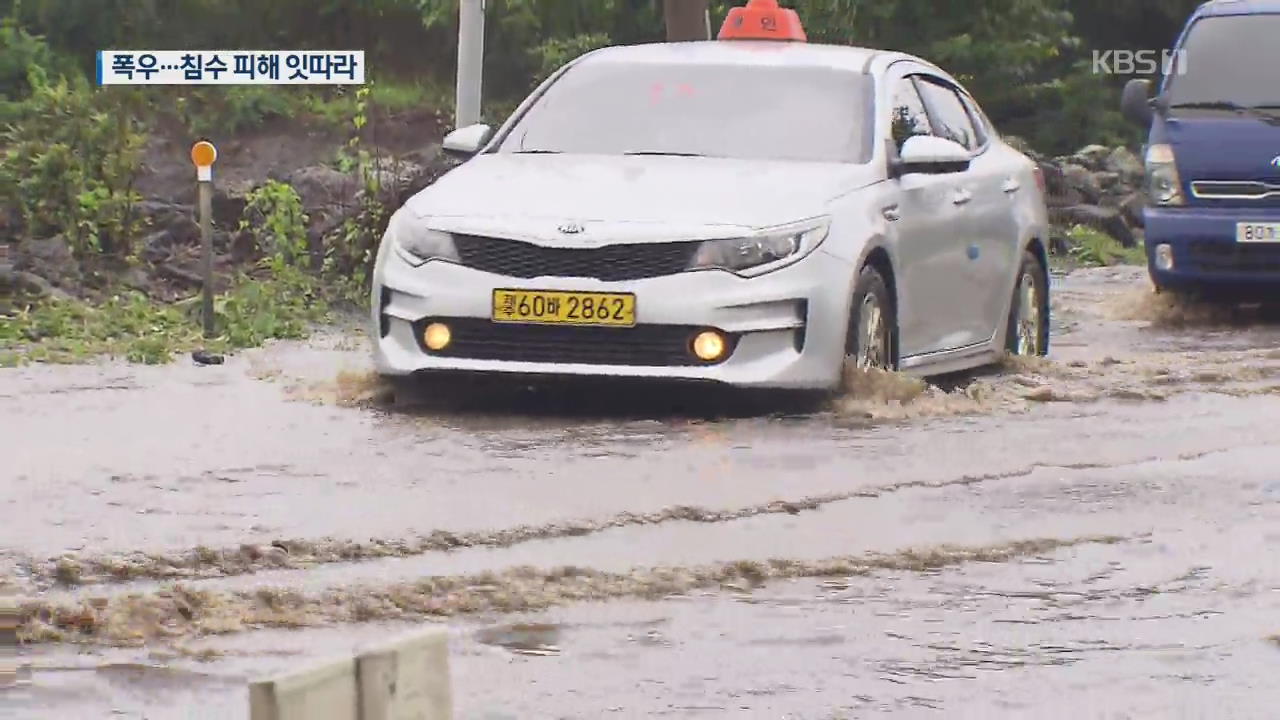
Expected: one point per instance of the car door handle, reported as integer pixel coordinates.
(891, 213)
(962, 197)
(1011, 186)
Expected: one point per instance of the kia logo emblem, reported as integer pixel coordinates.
(575, 228)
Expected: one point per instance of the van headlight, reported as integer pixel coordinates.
(762, 253)
(417, 244)
(1164, 187)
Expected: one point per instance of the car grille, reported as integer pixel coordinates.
(1215, 256)
(614, 263)
(640, 346)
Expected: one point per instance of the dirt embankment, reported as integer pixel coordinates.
(317, 163)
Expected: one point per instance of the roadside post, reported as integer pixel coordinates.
(470, 62)
(687, 20)
(203, 155)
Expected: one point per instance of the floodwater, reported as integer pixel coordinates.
(1098, 528)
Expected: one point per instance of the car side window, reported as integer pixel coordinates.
(908, 113)
(982, 133)
(950, 118)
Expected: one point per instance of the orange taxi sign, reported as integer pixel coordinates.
(763, 20)
(203, 154)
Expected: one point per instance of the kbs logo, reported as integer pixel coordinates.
(1139, 62)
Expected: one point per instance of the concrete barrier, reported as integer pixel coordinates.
(406, 679)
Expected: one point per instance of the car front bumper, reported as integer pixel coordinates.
(787, 327)
(1205, 252)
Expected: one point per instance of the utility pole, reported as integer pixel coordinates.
(687, 20)
(470, 62)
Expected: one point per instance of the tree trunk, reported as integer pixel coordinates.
(686, 20)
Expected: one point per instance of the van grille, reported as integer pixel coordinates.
(1231, 257)
(1235, 190)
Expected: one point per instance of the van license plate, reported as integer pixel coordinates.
(1257, 232)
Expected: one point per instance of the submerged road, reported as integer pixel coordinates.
(1094, 534)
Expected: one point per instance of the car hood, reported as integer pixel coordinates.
(629, 199)
(1224, 146)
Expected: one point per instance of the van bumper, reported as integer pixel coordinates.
(1206, 255)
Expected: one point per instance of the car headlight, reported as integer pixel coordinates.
(1163, 184)
(416, 243)
(759, 254)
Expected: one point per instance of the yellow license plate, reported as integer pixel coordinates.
(556, 307)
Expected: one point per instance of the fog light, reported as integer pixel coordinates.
(709, 346)
(1164, 257)
(437, 337)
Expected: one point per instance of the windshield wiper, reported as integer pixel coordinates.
(1254, 110)
(656, 153)
(536, 152)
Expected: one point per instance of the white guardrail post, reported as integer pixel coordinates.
(406, 679)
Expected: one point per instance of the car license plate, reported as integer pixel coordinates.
(557, 307)
(1257, 232)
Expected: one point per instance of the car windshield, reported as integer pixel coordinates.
(1229, 60)
(726, 111)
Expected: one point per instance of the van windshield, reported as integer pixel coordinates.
(810, 114)
(1229, 59)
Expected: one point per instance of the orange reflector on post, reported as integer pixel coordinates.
(763, 20)
(203, 154)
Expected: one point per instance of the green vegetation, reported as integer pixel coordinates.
(1028, 61)
(70, 153)
(275, 299)
(69, 162)
(1094, 248)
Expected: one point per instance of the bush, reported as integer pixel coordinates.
(69, 165)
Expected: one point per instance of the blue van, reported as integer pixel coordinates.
(1213, 155)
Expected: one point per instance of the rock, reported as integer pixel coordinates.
(322, 187)
(1132, 206)
(1092, 157)
(1021, 146)
(156, 247)
(204, 357)
(33, 284)
(1107, 180)
(137, 279)
(1081, 179)
(173, 272)
(228, 205)
(1126, 164)
(1107, 220)
(50, 258)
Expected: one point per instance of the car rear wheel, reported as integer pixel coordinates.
(1028, 333)
(873, 325)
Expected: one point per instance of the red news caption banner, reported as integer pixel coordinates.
(231, 67)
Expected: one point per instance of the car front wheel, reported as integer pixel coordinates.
(873, 325)
(1029, 312)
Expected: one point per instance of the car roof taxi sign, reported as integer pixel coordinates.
(763, 20)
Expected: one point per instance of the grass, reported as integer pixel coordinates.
(140, 330)
(228, 110)
(1094, 248)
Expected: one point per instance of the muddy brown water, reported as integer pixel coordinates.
(1098, 527)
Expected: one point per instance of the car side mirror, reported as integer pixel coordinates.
(467, 141)
(1135, 102)
(931, 155)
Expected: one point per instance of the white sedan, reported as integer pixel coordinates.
(758, 214)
